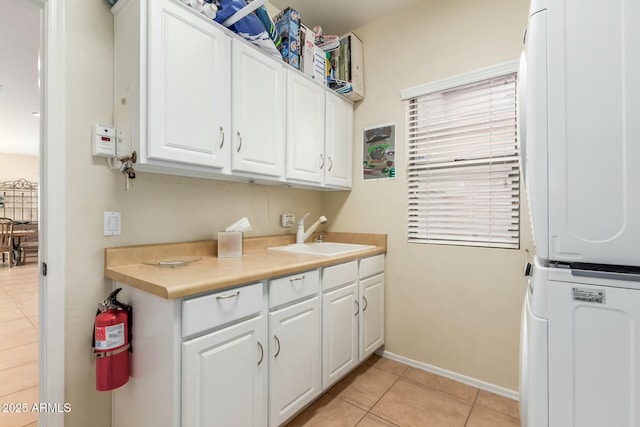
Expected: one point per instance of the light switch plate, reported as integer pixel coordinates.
(112, 223)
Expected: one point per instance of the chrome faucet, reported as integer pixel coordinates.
(302, 235)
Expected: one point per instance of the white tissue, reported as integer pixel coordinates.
(241, 225)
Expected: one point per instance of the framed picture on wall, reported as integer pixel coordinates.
(379, 152)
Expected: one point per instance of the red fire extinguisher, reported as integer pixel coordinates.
(112, 342)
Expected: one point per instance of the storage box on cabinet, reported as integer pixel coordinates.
(210, 311)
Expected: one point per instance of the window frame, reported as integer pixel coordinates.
(511, 167)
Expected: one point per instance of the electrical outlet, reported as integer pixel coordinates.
(287, 219)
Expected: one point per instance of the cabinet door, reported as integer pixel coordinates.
(188, 87)
(305, 129)
(340, 313)
(338, 142)
(258, 112)
(294, 365)
(593, 132)
(372, 315)
(224, 377)
(594, 342)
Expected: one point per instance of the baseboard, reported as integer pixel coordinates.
(492, 388)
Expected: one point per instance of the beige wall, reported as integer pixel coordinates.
(455, 308)
(16, 166)
(158, 209)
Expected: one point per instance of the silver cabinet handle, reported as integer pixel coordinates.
(366, 304)
(357, 308)
(322, 161)
(278, 341)
(240, 144)
(261, 353)
(221, 136)
(330, 163)
(296, 279)
(228, 296)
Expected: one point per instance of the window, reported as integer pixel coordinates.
(463, 173)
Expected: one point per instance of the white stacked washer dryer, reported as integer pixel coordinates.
(580, 138)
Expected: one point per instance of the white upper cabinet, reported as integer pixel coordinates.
(189, 87)
(258, 112)
(194, 99)
(172, 86)
(305, 129)
(338, 142)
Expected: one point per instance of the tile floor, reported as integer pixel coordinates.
(18, 341)
(383, 392)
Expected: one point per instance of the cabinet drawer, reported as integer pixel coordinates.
(371, 266)
(292, 288)
(338, 275)
(210, 311)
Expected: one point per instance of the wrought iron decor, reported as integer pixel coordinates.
(19, 200)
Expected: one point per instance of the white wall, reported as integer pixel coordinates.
(16, 166)
(456, 308)
(158, 209)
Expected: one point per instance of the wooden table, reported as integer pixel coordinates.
(20, 233)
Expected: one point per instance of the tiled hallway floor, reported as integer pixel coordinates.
(383, 392)
(18, 342)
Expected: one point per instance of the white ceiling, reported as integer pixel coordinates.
(19, 93)
(341, 16)
(19, 45)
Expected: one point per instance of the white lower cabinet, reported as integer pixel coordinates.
(294, 346)
(253, 355)
(294, 366)
(223, 377)
(340, 313)
(371, 315)
(371, 275)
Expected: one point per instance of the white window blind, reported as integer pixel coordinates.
(463, 173)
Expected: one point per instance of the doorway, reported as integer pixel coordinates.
(47, 289)
(20, 105)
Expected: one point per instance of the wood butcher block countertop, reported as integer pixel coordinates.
(131, 264)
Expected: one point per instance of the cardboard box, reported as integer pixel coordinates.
(319, 66)
(288, 24)
(307, 38)
(229, 244)
(355, 66)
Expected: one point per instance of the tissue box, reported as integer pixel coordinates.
(229, 244)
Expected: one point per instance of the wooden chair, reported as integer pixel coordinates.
(6, 239)
(29, 245)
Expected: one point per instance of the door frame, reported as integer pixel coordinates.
(52, 211)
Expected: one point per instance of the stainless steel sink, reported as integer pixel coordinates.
(321, 248)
